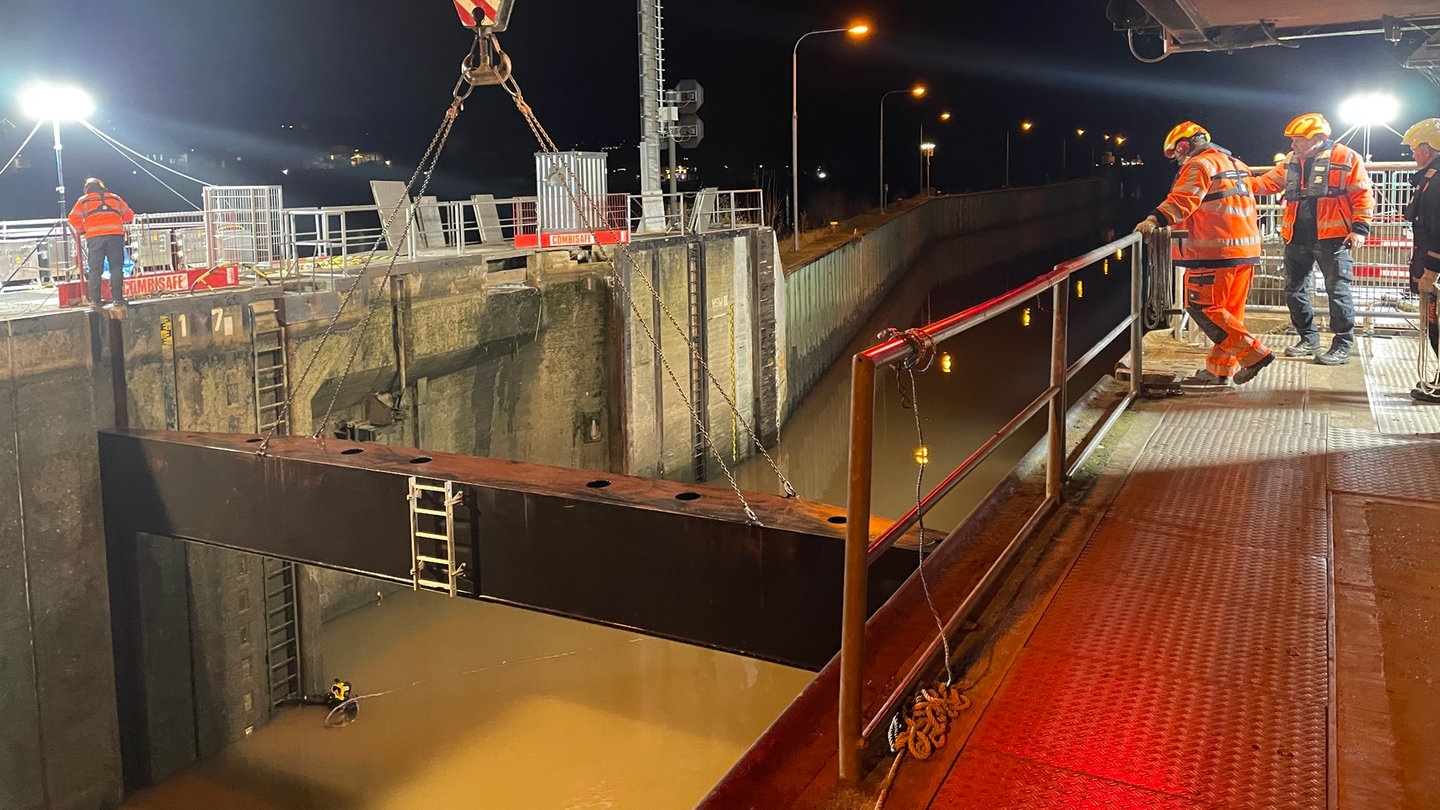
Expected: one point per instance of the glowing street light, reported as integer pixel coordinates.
(858, 30)
(1365, 110)
(56, 103)
(917, 91)
(927, 151)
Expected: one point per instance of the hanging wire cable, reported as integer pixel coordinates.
(141, 167)
(23, 144)
(118, 145)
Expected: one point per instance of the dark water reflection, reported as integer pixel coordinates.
(997, 368)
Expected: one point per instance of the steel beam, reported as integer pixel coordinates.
(667, 559)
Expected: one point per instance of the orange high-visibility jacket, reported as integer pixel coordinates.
(1212, 201)
(1336, 178)
(100, 214)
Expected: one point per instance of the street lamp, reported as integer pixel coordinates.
(1368, 109)
(927, 150)
(925, 155)
(54, 103)
(854, 30)
(1025, 126)
(917, 91)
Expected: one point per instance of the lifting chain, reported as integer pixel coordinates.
(585, 205)
(424, 169)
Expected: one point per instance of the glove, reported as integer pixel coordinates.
(1354, 241)
(1146, 226)
(1427, 282)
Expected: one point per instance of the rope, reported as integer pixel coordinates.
(116, 144)
(926, 729)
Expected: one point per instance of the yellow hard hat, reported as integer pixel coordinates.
(1308, 126)
(1182, 132)
(1426, 132)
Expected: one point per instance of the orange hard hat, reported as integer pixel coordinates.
(1182, 132)
(1308, 126)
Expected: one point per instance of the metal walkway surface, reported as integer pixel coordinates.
(1248, 621)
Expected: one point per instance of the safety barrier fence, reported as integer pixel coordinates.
(910, 349)
(1381, 286)
(331, 241)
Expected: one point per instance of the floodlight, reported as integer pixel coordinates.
(1369, 109)
(44, 102)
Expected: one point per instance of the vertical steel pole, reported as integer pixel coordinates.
(882, 152)
(857, 566)
(1137, 329)
(795, 141)
(1055, 463)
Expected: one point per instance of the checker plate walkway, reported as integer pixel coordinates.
(1248, 621)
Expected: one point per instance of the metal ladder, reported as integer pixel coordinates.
(699, 389)
(272, 377)
(432, 534)
(282, 630)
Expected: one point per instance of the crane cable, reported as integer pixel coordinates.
(585, 200)
(431, 156)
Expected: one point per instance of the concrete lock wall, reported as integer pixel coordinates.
(59, 742)
(484, 356)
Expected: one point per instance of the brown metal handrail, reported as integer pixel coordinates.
(859, 550)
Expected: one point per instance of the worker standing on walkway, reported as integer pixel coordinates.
(1423, 214)
(100, 217)
(1328, 208)
(1211, 199)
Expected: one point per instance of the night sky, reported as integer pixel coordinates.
(222, 78)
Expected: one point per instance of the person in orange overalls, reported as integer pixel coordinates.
(101, 216)
(1211, 199)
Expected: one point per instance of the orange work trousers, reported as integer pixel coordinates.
(1215, 298)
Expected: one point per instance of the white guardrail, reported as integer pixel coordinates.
(333, 240)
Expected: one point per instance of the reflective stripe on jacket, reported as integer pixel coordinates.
(100, 214)
(1212, 201)
(1338, 181)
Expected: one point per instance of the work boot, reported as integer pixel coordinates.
(1304, 348)
(1338, 355)
(1248, 373)
(1427, 392)
(1205, 378)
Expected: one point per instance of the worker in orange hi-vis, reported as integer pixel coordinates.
(101, 216)
(1212, 201)
(1328, 208)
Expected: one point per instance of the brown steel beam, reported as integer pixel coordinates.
(667, 559)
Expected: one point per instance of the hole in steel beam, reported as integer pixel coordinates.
(351, 451)
(836, 519)
(255, 440)
(598, 484)
(420, 460)
(687, 496)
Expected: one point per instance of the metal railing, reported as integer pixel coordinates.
(861, 551)
(331, 241)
